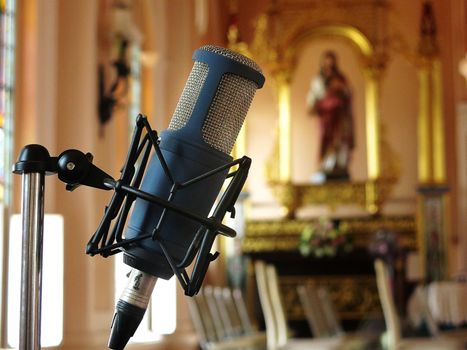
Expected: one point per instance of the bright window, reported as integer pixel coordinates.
(52, 281)
(7, 79)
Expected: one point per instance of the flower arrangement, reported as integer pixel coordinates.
(385, 245)
(325, 238)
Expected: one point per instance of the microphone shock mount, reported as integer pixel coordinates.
(75, 168)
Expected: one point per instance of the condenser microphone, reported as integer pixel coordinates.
(200, 137)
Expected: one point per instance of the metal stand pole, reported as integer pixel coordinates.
(31, 263)
(32, 164)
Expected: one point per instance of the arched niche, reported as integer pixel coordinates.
(281, 37)
(306, 135)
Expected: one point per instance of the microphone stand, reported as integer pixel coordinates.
(31, 264)
(75, 168)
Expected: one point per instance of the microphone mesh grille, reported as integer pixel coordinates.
(232, 55)
(228, 111)
(229, 106)
(190, 95)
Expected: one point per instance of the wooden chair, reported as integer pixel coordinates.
(242, 311)
(274, 315)
(237, 329)
(202, 321)
(419, 303)
(214, 326)
(330, 314)
(266, 305)
(217, 318)
(393, 327)
(418, 311)
(313, 311)
(227, 305)
(319, 311)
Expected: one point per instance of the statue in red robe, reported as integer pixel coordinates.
(329, 99)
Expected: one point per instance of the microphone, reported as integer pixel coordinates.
(199, 139)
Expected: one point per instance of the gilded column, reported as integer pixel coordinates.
(285, 154)
(433, 197)
(372, 122)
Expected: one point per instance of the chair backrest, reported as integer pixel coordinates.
(233, 312)
(202, 320)
(387, 303)
(197, 320)
(313, 310)
(229, 328)
(242, 311)
(266, 305)
(277, 305)
(220, 328)
(329, 312)
(418, 310)
(217, 323)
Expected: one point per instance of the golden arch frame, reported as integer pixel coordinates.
(357, 39)
(278, 51)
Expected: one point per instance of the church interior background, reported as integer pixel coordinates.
(358, 141)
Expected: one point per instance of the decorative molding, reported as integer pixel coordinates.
(280, 36)
(287, 25)
(354, 297)
(369, 194)
(283, 235)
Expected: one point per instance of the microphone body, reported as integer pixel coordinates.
(185, 161)
(200, 137)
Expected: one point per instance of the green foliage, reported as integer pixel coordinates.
(325, 238)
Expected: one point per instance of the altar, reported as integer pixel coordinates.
(349, 277)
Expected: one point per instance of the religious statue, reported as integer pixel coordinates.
(329, 99)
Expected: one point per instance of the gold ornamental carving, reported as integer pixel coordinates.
(283, 235)
(281, 34)
(282, 31)
(367, 194)
(354, 297)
